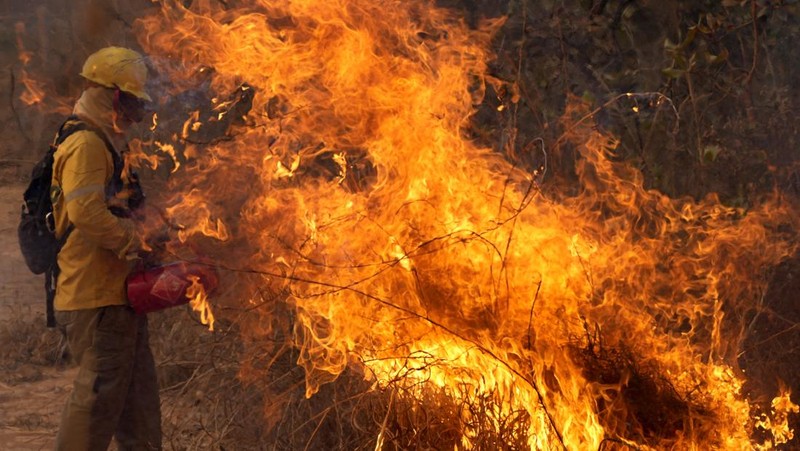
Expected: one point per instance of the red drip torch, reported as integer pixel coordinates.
(160, 287)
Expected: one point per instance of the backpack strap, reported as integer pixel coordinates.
(51, 278)
(72, 125)
(75, 124)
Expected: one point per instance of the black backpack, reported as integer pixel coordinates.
(36, 230)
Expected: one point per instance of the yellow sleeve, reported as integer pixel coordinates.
(85, 173)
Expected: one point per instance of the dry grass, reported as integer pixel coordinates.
(221, 392)
(27, 343)
(204, 405)
(646, 408)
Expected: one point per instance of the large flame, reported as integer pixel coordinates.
(434, 262)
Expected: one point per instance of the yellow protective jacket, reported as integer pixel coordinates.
(93, 260)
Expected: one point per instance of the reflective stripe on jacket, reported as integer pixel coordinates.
(92, 262)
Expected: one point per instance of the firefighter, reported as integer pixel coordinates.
(115, 392)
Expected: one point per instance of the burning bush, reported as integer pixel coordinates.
(449, 274)
(392, 283)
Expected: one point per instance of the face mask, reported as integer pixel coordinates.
(131, 107)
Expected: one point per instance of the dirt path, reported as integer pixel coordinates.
(30, 410)
(31, 394)
(17, 284)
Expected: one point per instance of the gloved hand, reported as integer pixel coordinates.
(154, 248)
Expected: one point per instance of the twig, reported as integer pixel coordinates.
(606, 440)
(380, 440)
(591, 114)
(530, 318)
(426, 318)
(619, 12)
(316, 429)
(753, 16)
(791, 328)
(13, 108)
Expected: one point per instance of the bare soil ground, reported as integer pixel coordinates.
(30, 406)
(33, 385)
(17, 285)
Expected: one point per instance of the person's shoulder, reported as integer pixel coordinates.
(87, 141)
(82, 150)
(89, 138)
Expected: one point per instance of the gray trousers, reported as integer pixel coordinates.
(116, 391)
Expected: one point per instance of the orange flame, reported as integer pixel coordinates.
(441, 264)
(198, 300)
(34, 92)
(778, 422)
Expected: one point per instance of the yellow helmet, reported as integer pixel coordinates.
(117, 67)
